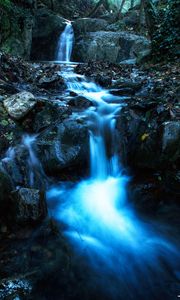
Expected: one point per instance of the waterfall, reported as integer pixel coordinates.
(36, 176)
(127, 253)
(33, 163)
(65, 44)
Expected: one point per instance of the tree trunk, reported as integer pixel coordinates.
(132, 4)
(52, 4)
(121, 7)
(96, 8)
(151, 16)
(140, 14)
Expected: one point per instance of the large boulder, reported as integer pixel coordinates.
(19, 105)
(21, 206)
(64, 146)
(109, 46)
(48, 27)
(83, 25)
(145, 143)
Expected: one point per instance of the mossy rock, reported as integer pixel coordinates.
(10, 131)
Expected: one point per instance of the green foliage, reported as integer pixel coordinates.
(5, 7)
(166, 35)
(5, 3)
(12, 22)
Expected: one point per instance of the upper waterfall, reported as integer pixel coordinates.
(65, 44)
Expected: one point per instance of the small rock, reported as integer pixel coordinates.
(80, 102)
(143, 56)
(19, 104)
(123, 91)
(131, 61)
(50, 81)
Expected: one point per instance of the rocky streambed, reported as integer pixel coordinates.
(44, 140)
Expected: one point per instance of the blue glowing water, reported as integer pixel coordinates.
(101, 225)
(65, 44)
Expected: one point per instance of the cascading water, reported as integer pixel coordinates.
(35, 172)
(65, 44)
(130, 257)
(34, 166)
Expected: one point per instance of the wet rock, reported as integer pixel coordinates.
(73, 94)
(64, 146)
(80, 102)
(111, 18)
(19, 105)
(49, 114)
(52, 81)
(171, 140)
(84, 25)
(109, 46)
(29, 206)
(47, 29)
(103, 80)
(135, 86)
(145, 196)
(129, 62)
(117, 26)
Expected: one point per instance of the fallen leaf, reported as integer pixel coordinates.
(144, 137)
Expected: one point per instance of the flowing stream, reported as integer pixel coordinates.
(132, 257)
